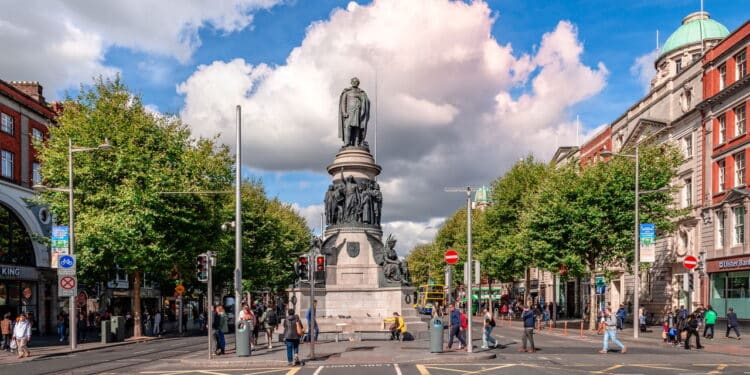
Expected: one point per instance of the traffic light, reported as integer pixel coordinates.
(201, 266)
(320, 263)
(691, 279)
(302, 267)
(687, 281)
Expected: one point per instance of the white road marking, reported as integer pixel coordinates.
(398, 370)
(318, 370)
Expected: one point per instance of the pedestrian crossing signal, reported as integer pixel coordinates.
(202, 268)
(302, 268)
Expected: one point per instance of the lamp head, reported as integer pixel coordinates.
(106, 146)
(40, 188)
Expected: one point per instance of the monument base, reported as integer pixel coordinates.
(360, 309)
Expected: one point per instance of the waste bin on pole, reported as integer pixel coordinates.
(242, 339)
(436, 336)
(106, 331)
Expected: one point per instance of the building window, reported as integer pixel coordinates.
(678, 65)
(739, 169)
(739, 225)
(36, 173)
(688, 192)
(739, 120)
(37, 136)
(722, 129)
(740, 65)
(7, 123)
(722, 76)
(688, 141)
(7, 164)
(721, 176)
(720, 237)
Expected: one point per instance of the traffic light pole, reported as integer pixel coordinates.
(311, 278)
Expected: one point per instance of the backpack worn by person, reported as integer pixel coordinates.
(272, 318)
(464, 321)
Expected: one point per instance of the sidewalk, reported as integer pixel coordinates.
(329, 352)
(48, 346)
(650, 338)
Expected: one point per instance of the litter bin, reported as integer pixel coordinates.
(106, 331)
(242, 339)
(118, 328)
(436, 336)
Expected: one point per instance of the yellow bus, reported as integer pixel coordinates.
(428, 296)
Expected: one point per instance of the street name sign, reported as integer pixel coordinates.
(67, 286)
(66, 265)
(451, 256)
(690, 262)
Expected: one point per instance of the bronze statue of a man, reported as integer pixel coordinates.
(354, 113)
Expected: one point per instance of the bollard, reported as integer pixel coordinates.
(582, 329)
(565, 329)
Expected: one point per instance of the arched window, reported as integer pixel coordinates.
(15, 242)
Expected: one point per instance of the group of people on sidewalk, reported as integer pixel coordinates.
(16, 334)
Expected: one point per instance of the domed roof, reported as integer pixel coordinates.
(695, 27)
(482, 195)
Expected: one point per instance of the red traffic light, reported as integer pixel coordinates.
(320, 263)
(303, 259)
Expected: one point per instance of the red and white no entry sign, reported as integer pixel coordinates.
(68, 282)
(451, 256)
(690, 262)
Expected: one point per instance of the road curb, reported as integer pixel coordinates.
(80, 350)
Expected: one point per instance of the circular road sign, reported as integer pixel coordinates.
(451, 256)
(66, 261)
(690, 262)
(68, 282)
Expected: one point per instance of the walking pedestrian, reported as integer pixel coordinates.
(220, 326)
(81, 326)
(5, 330)
(710, 319)
(692, 330)
(293, 331)
(22, 335)
(621, 314)
(157, 323)
(528, 329)
(312, 326)
(61, 327)
(455, 327)
(610, 332)
(489, 324)
(732, 323)
(270, 321)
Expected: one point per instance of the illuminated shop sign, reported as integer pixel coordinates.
(734, 263)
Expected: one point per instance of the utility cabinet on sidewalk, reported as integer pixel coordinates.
(436, 336)
(118, 328)
(106, 332)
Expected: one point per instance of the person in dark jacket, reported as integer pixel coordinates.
(622, 313)
(732, 323)
(291, 338)
(528, 329)
(455, 327)
(691, 327)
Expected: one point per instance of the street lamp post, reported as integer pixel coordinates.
(636, 240)
(71, 233)
(469, 345)
(238, 223)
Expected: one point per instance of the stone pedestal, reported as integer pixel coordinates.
(356, 291)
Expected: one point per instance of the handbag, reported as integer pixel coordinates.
(300, 329)
(13, 343)
(683, 334)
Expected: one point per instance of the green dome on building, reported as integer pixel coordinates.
(695, 27)
(482, 195)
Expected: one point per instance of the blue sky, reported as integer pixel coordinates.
(454, 113)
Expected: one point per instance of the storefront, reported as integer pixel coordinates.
(730, 285)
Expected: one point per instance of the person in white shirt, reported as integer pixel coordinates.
(157, 323)
(489, 324)
(22, 335)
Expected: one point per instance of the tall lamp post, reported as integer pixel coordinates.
(469, 345)
(71, 150)
(238, 223)
(636, 240)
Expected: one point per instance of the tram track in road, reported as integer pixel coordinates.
(114, 358)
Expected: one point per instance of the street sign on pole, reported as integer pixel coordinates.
(66, 265)
(67, 285)
(60, 242)
(451, 256)
(648, 243)
(690, 262)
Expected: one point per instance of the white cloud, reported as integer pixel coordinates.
(311, 214)
(412, 233)
(443, 105)
(63, 43)
(643, 69)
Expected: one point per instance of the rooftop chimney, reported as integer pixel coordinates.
(30, 88)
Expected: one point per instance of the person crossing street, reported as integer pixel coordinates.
(610, 332)
(528, 329)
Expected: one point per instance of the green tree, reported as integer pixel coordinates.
(123, 219)
(425, 263)
(583, 218)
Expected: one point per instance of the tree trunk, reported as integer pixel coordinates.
(137, 280)
(592, 302)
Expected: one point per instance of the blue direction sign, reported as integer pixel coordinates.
(66, 265)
